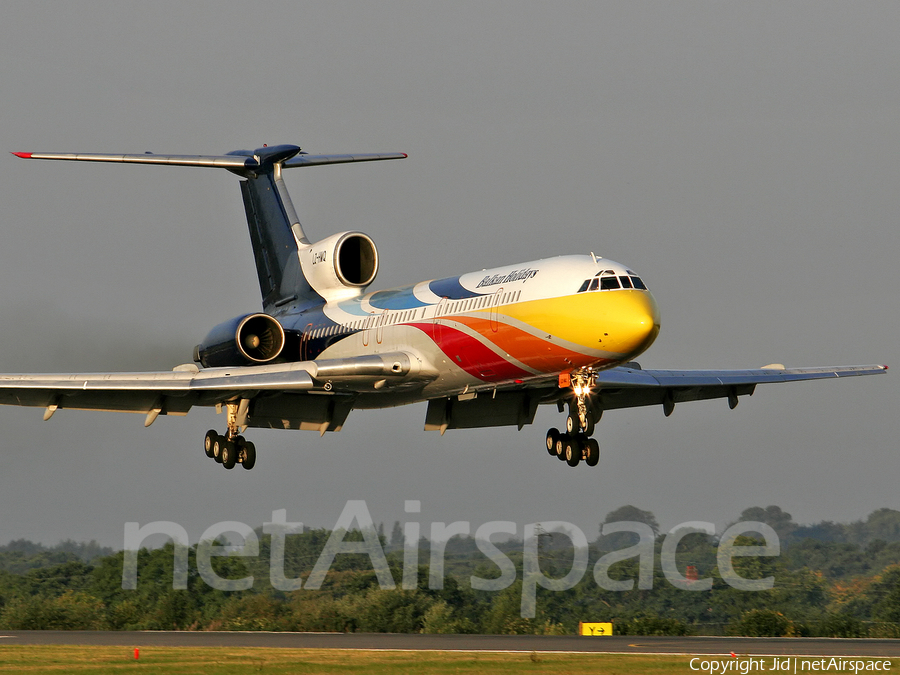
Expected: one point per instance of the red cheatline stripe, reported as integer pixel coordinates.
(469, 354)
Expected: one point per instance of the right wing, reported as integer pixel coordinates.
(176, 392)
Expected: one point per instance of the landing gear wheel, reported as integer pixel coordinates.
(561, 446)
(217, 448)
(209, 441)
(589, 426)
(573, 451)
(229, 454)
(591, 452)
(572, 423)
(248, 455)
(552, 438)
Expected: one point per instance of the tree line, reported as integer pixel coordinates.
(831, 579)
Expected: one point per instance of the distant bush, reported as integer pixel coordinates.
(69, 611)
(841, 626)
(252, 612)
(440, 619)
(763, 623)
(882, 629)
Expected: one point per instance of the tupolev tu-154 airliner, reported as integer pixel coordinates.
(483, 349)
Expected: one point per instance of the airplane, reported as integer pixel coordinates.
(483, 349)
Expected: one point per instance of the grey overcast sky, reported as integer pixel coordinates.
(744, 158)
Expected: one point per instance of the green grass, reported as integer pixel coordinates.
(215, 661)
(211, 660)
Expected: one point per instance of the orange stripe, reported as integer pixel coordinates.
(534, 352)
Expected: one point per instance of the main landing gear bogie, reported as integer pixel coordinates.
(575, 444)
(573, 448)
(229, 451)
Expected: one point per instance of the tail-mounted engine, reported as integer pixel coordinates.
(340, 266)
(250, 340)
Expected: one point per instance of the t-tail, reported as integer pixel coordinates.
(293, 272)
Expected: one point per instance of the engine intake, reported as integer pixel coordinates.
(248, 340)
(260, 338)
(340, 266)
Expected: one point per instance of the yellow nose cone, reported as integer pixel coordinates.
(621, 323)
(629, 321)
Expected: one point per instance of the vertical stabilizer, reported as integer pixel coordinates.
(275, 230)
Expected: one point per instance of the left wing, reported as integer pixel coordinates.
(627, 386)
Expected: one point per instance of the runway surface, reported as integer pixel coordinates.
(496, 643)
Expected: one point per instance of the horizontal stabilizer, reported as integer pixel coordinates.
(215, 161)
(233, 161)
(318, 160)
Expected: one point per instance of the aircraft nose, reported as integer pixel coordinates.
(638, 324)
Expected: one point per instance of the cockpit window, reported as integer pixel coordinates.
(612, 283)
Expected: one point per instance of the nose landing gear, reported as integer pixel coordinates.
(576, 444)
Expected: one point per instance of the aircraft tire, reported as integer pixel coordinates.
(573, 451)
(229, 454)
(572, 423)
(589, 428)
(209, 441)
(591, 452)
(248, 455)
(561, 446)
(217, 448)
(552, 438)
